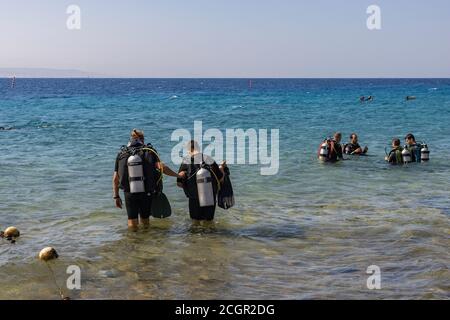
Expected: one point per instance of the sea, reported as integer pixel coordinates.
(357, 229)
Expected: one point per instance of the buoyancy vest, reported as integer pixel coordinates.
(152, 177)
(415, 150)
(349, 148)
(334, 150)
(395, 156)
(190, 183)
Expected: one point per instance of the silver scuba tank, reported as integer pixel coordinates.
(425, 153)
(323, 154)
(136, 174)
(406, 156)
(204, 188)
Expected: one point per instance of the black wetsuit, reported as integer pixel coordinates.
(337, 153)
(191, 166)
(137, 204)
(351, 147)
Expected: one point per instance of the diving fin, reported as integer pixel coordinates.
(160, 206)
(225, 197)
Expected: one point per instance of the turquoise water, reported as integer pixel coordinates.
(310, 231)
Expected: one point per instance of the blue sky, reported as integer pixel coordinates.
(229, 38)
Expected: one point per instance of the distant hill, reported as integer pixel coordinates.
(44, 73)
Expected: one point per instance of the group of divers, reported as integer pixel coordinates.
(331, 150)
(139, 171)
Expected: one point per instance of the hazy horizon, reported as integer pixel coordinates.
(228, 39)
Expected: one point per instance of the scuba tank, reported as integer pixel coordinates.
(348, 149)
(204, 187)
(136, 174)
(323, 153)
(406, 155)
(425, 153)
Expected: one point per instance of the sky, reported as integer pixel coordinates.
(229, 38)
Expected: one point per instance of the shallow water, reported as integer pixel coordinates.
(309, 232)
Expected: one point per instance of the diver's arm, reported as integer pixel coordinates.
(166, 170)
(115, 186)
(218, 171)
(181, 177)
(222, 167)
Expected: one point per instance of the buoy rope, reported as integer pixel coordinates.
(55, 282)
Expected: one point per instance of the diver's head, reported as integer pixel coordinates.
(410, 139)
(354, 138)
(137, 136)
(338, 137)
(193, 147)
(395, 142)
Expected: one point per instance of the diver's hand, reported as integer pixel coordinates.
(118, 202)
(180, 178)
(224, 164)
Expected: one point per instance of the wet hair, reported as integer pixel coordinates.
(353, 134)
(396, 142)
(137, 134)
(338, 134)
(410, 136)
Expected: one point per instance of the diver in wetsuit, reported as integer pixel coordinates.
(413, 147)
(353, 146)
(188, 181)
(395, 155)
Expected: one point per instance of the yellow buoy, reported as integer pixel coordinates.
(12, 232)
(48, 254)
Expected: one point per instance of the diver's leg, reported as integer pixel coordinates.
(194, 211)
(145, 210)
(133, 224)
(132, 211)
(208, 216)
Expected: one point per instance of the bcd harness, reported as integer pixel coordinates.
(327, 150)
(137, 169)
(191, 181)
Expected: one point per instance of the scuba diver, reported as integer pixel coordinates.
(331, 149)
(138, 172)
(364, 99)
(200, 178)
(395, 155)
(415, 152)
(353, 146)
